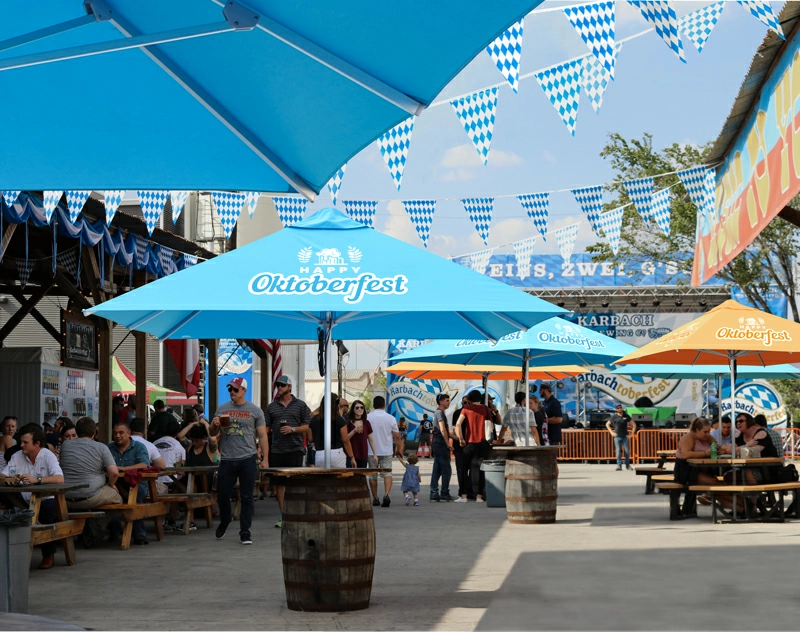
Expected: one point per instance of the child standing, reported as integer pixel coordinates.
(411, 479)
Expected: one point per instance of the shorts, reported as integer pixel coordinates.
(425, 438)
(338, 458)
(286, 459)
(383, 463)
(162, 488)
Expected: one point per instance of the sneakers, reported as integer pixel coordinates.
(386, 501)
(480, 500)
(461, 500)
(192, 526)
(376, 502)
(245, 538)
(447, 498)
(628, 467)
(704, 500)
(435, 498)
(221, 529)
(408, 499)
(170, 526)
(140, 540)
(619, 468)
(279, 524)
(416, 502)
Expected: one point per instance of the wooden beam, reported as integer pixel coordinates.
(104, 365)
(92, 271)
(25, 308)
(211, 376)
(69, 289)
(46, 324)
(141, 374)
(791, 215)
(7, 235)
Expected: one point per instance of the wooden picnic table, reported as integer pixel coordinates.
(192, 498)
(64, 529)
(663, 455)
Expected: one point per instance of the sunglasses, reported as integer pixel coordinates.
(282, 385)
(358, 408)
(233, 389)
(741, 421)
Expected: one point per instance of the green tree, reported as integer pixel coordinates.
(768, 261)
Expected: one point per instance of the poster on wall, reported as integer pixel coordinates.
(78, 341)
(757, 397)
(233, 360)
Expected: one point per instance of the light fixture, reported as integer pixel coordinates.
(703, 302)
(560, 302)
(656, 302)
(582, 303)
(604, 303)
(678, 302)
(634, 302)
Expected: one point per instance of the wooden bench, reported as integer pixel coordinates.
(775, 512)
(650, 472)
(192, 498)
(674, 491)
(132, 510)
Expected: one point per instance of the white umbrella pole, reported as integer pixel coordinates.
(526, 377)
(327, 421)
(732, 361)
(485, 382)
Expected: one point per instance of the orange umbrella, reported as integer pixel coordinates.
(435, 371)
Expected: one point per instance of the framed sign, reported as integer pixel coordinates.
(78, 341)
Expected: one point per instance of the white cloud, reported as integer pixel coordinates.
(456, 175)
(466, 156)
(549, 157)
(400, 227)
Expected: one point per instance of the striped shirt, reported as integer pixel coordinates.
(514, 420)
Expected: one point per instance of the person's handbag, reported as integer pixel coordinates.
(788, 474)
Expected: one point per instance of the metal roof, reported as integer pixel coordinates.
(763, 62)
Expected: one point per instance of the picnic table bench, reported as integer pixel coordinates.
(663, 455)
(675, 491)
(775, 512)
(204, 499)
(131, 510)
(652, 474)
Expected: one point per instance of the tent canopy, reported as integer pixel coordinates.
(123, 382)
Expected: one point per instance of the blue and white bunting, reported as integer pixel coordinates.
(476, 113)
(480, 214)
(763, 11)
(362, 211)
(697, 25)
(394, 146)
(111, 202)
(50, 200)
(641, 194)
(479, 261)
(506, 53)
(595, 25)
(710, 182)
(537, 205)
(189, 260)
(68, 259)
(10, 197)
(141, 247)
(420, 212)
(595, 78)
(229, 207)
(24, 268)
(523, 250)
(661, 210)
(662, 16)
(290, 209)
(562, 85)
(565, 237)
(611, 223)
(591, 203)
(75, 202)
(251, 198)
(693, 181)
(152, 203)
(177, 200)
(166, 259)
(335, 183)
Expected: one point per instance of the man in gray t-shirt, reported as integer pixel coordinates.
(84, 460)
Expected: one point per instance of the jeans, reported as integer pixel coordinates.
(619, 444)
(474, 454)
(47, 515)
(464, 481)
(441, 469)
(246, 471)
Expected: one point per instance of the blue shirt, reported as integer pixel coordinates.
(552, 407)
(135, 453)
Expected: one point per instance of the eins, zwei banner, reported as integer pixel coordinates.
(760, 174)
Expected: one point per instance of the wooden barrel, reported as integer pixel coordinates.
(532, 487)
(327, 543)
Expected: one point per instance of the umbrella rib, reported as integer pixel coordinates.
(511, 321)
(48, 31)
(306, 318)
(178, 327)
(141, 321)
(354, 316)
(476, 327)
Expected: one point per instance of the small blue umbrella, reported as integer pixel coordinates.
(252, 95)
(702, 372)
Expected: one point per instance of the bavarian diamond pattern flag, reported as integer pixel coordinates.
(595, 78)
(479, 261)
(763, 11)
(562, 85)
(335, 183)
(476, 113)
(362, 211)
(75, 202)
(10, 197)
(141, 250)
(697, 25)
(693, 181)
(420, 212)
(50, 201)
(591, 203)
(480, 214)
(565, 237)
(166, 259)
(641, 194)
(68, 259)
(523, 250)
(661, 210)
(229, 207)
(111, 201)
(24, 268)
(710, 186)
(537, 205)
(177, 200)
(662, 16)
(595, 25)
(189, 260)
(152, 203)
(506, 52)
(394, 146)
(251, 198)
(611, 223)
(290, 209)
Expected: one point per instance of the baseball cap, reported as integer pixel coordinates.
(284, 379)
(48, 424)
(238, 382)
(441, 396)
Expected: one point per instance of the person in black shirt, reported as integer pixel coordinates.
(341, 450)
(552, 410)
(618, 427)
(425, 428)
(464, 479)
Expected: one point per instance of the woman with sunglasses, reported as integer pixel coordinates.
(360, 432)
(341, 450)
(751, 435)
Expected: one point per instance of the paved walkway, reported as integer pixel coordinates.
(613, 561)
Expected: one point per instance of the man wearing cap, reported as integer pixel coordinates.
(552, 411)
(440, 446)
(289, 419)
(237, 449)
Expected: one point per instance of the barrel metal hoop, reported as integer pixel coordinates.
(341, 607)
(361, 561)
(333, 495)
(531, 514)
(337, 517)
(338, 587)
(530, 477)
(538, 499)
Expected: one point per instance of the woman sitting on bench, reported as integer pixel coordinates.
(695, 444)
(751, 435)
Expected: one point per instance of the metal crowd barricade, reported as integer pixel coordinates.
(598, 445)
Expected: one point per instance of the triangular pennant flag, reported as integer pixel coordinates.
(537, 205)
(660, 210)
(710, 206)
(290, 209)
(763, 11)
(420, 212)
(177, 201)
(693, 181)
(335, 183)
(595, 78)
(111, 201)
(251, 198)
(394, 146)
(476, 113)
(50, 200)
(480, 214)
(166, 260)
(641, 194)
(24, 268)
(662, 16)
(562, 85)
(506, 52)
(10, 197)
(142, 251)
(75, 202)
(595, 25)
(229, 207)
(189, 260)
(611, 223)
(152, 203)
(565, 237)
(591, 202)
(479, 261)
(68, 259)
(362, 211)
(697, 25)
(523, 250)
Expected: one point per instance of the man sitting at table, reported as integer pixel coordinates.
(128, 455)
(173, 453)
(83, 460)
(722, 435)
(34, 464)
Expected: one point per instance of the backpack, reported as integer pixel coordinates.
(788, 474)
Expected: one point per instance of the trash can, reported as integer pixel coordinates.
(494, 472)
(15, 559)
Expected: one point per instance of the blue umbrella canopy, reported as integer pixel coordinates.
(206, 94)
(701, 372)
(333, 272)
(552, 342)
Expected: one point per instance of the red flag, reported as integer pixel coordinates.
(186, 356)
(273, 348)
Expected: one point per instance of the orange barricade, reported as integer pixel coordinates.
(648, 442)
(598, 445)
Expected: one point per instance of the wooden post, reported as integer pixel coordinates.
(104, 366)
(141, 374)
(211, 376)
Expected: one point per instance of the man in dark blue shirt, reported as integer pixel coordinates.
(128, 455)
(552, 410)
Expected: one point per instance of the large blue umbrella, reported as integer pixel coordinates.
(204, 94)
